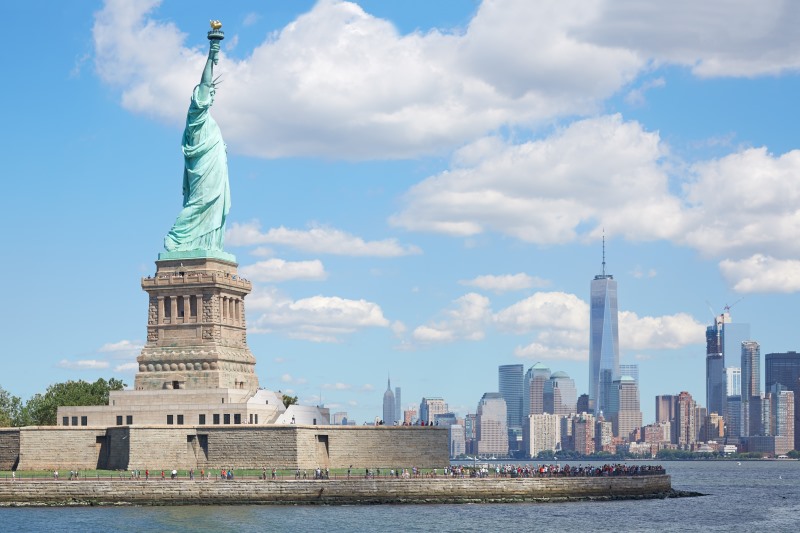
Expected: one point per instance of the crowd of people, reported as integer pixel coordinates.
(556, 470)
(456, 471)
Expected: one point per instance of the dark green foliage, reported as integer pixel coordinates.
(289, 400)
(10, 409)
(40, 410)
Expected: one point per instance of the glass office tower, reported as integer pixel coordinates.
(784, 369)
(603, 339)
(751, 388)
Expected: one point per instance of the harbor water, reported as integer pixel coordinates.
(746, 496)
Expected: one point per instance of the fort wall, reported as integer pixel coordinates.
(246, 446)
(351, 491)
(9, 448)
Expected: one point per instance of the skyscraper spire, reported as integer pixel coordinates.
(604, 252)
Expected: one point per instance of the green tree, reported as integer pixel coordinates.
(289, 400)
(41, 409)
(10, 409)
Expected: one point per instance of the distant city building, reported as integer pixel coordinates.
(388, 405)
(492, 432)
(733, 416)
(604, 435)
(716, 426)
(340, 418)
(509, 384)
(398, 409)
(583, 404)
(624, 410)
(751, 388)
(733, 387)
(410, 416)
(685, 424)
(583, 427)
(533, 390)
(471, 433)
(657, 433)
(444, 419)
(784, 369)
(733, 335)
(541, 433)
(665, 408)
(778, 419)
(567, 440)
(715, 367)
(715, 383)
(457, 440)
(701, 423)
(429, 407)
(560, 394)
(733, 381)
(603, 338)
(631, 370)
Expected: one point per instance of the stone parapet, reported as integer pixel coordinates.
(350, 491)
(246, 446)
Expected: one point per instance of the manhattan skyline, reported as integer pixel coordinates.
(421, 190)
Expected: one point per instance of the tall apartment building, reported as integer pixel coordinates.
(533, 390)
(492, 432)
(429, 407)
(685, 423)
(541, 433)
(560, 394)
(624, 410)
(604, 436)
(751, 388)
(457, 440)
(583, 431)
(665, 408)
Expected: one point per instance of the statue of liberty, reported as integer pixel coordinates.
(200, 227)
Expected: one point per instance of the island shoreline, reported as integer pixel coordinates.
(49, 493)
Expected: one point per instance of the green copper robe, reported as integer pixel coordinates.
(206, 192)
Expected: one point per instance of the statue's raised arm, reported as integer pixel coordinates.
(200, 227)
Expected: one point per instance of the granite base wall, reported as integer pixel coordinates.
(247, 446)
(354, 491)
(9, 448)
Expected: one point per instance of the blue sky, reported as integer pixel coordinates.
(419, 188)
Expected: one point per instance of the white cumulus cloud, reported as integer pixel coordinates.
(277, 270)
(761, 273)
(467, 320)
(318, 318)
(83, 364)
(124, 347)
(318, 239)
(595, 173)
(505, 282)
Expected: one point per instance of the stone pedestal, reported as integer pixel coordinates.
(196, 330)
